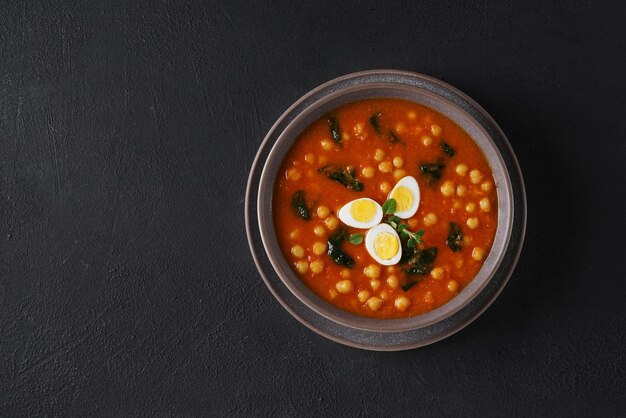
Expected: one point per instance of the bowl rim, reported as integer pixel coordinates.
(501, 268)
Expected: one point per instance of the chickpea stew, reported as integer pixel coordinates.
(385, 208)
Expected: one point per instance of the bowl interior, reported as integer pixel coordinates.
(335, 99)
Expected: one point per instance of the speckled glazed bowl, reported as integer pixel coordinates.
(346, 327)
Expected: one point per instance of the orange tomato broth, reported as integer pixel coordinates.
(421, 131)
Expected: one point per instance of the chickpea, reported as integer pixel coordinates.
(344, 286)
(317, 266)
(319, 231)
(398, 162)
(385, 187)
(461, 169)
(368, 172)
(372, 271)
(427, 141)
(294, 234)
(402, 303)
(392, 281)
(399, 173)
(323, 212)
(486, 186)
(385, 167)
(345, 136)
(436, 273)
(476, 176)
(332, 293)
(473, 223)
(297, 251)
(400, 128)
(375, 284)
(363, 296)
(345, 273)
(302, 266)
(470, 207)
(461, 190)
(374, 303)
(331, 222)
(379, 154)
(447, 188)
(453, 285)
(327, 144)
(430, 219)
(310, 158)
(435, 130)
(319, 248)
(413, 223)
(478, 253)
(485, 206)
(293, 174)
(358, 129)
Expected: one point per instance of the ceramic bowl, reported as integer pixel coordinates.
(346, 327)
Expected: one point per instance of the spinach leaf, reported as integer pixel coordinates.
(447, 149)
(410, 284)
(340, 257)
(336, 253)
(344, 175)
(375, 122)
(393, 137)
(432, 171)
(298, 204)
(333, 125)
(455, 237)
(422, 262)
(337, 237)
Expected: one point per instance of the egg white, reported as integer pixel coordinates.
(410, 183)
(369, 244)
(346, 217)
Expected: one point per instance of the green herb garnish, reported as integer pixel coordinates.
(455, 237)
(447, 149)
(298, 204)
(356, 239)
(389, 207)
(344, 175)
(414, 238)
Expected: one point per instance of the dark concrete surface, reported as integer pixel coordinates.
(127, 130)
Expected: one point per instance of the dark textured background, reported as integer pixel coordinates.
(127, 131)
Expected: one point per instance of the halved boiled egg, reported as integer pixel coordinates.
(383, 244)
(361, 213)
(406, 193)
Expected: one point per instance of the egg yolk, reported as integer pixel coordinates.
(403, 197)
(363, 210)
(385, 246)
